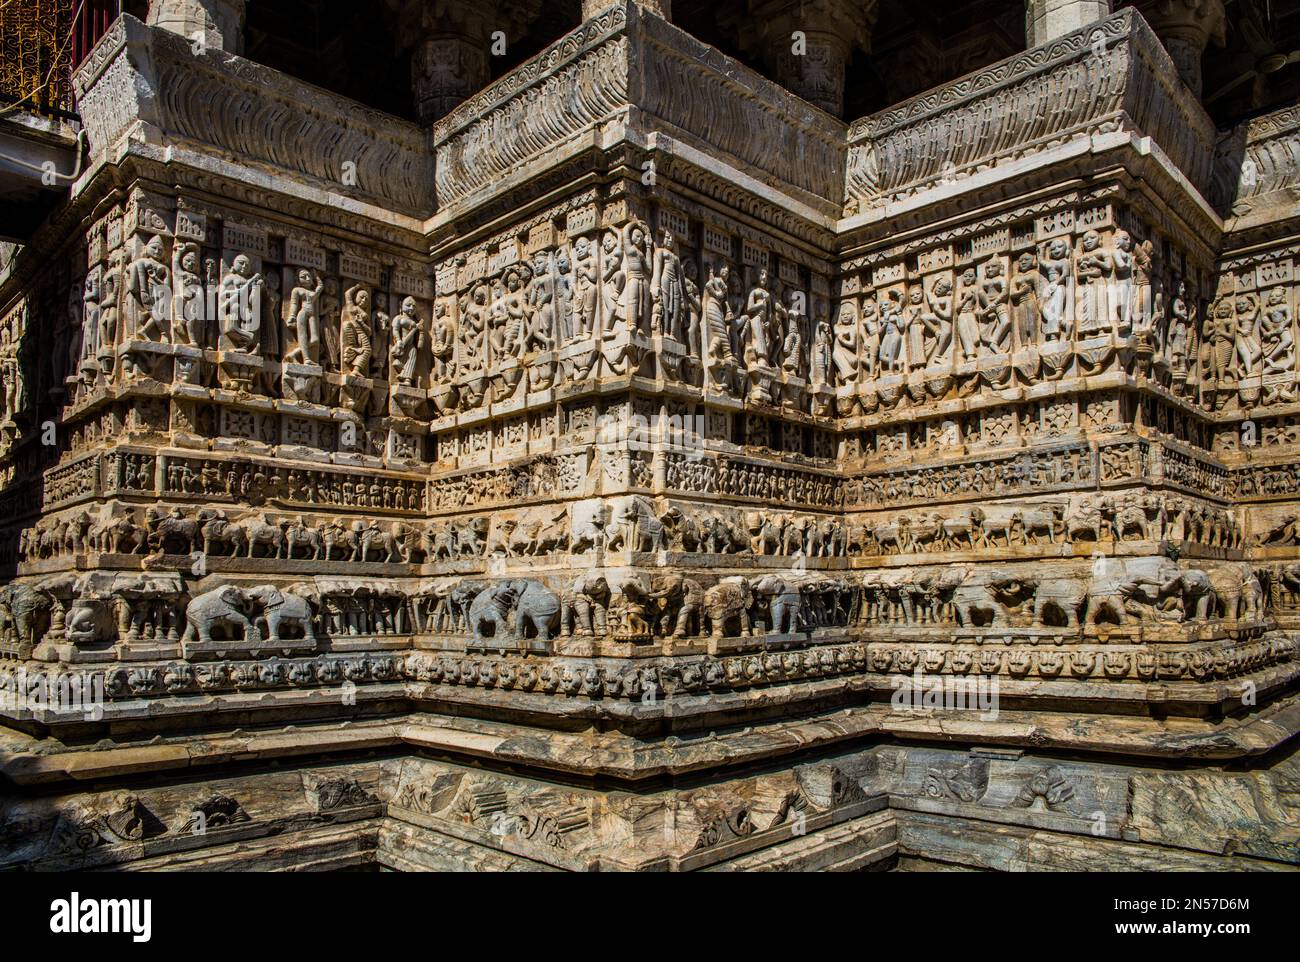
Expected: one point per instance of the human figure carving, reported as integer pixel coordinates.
(995, 332)
(637, 270)
(539, 329)
(354, 332)
(241, 307)
(442, 345)
(1247, 344)
(968, 327)
(304, 318)
(1094, 270)
(192, 328)
(845, 351)
(1025, 315)
(668, 290)
(1277, 335)
(406, 343)
(586, 277)
(891, 334)
(148, 290)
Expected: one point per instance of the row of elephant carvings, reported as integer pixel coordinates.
(624, 604)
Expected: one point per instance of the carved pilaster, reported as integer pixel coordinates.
(218, 23)
(454, 41)
(807, 45)
(1045, 20)
(1186, 27)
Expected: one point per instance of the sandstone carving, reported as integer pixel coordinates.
(639, 427)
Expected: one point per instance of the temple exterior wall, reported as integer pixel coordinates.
(638, 424)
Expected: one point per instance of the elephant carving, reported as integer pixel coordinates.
(1058, 600)
(1122, 590)
(682, 602)
(278, 609)
(987, 605)
(24, 611)
(221, 606)
(88, 622)
(1240, 593)
(728, 602)
(585, 605)
(784, 603)
(533, 605)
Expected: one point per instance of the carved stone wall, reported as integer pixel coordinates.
(632, 395)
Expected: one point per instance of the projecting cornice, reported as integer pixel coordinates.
(626, 79)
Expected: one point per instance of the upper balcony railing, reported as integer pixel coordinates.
(624, 71)
(151, 87)
(1111, 77)
(41, 43)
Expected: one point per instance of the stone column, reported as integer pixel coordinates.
(452, 43)
(1186, 28)
(661, 8)
(219, 23)
(1045, 20)
(807, 43)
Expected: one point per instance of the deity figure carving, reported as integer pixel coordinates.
(821, 355)
(563, 298)
(110, 285)
(586, 280)
(1052, 304)
(474, 310)
(1094, 271)
(1179, 342)
(1142, 303)
(669, 292)
(240, 307)
(995, 331)
(354, 332)
(1123, 295)
(968, 304)
(406, 344)
(1277, 334)
(442, 345)
(914, 326)
(192, 295)
(717, 315)
(1218, 343)
(870, 336)
(792, 360)
(1025, 314)
(90, 320)
(693, 307)
(845, 353)
(1247, 343)
(637, 302)
(539, 304)
(11, 376)
(148, 290)
(891, 355)
(304, 318)
(759, 322)
(613, 279)
(379, 343)
(938, 321)
(509, 318)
